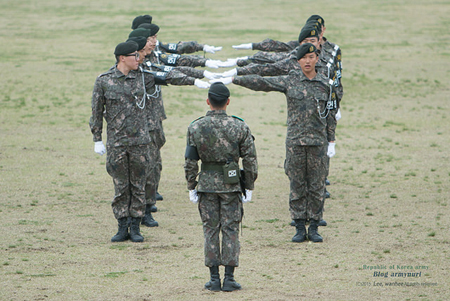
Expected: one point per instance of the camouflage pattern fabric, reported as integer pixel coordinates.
(219, 138)
(305, 99)
(221, 212)
(129, 167)
(181, 47)
(158, 139)
(306, 168)
(275, 46)
(116, 97)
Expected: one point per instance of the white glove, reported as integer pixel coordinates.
(99, 148)
(193, 196)
(227, 63)
(201, 84)
(338, 115)
(212, 64)
(211, 75)
(331, 152)
(243, 46)
(223, 80)
(211, 49)
(248, 196)
(229, 73)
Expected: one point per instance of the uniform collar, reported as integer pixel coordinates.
(216, 112)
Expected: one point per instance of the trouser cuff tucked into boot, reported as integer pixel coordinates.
(214, 283)
(313, 235)
(135, 231)
(229, 284)
(122, 233)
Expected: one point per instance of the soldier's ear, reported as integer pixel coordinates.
(207, 102)
(228, 101)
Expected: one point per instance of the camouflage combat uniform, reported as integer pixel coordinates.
(117, 98)
(180, 47)
(310, 126)
(219, 138)
(156, 116)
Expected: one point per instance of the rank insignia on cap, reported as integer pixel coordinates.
(319, 20)
(311, 49)
(313, 32)
(163, 56)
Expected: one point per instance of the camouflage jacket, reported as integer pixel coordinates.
(332, 53)
(283, 66)
(180, 47)
(275, 46)
(219, 138)
(120, 100)
(309, 121)
(173, 59)
(170, 73)
(129, 105)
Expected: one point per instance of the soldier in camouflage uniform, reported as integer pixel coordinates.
(308, 34)
(152, 62)
(219, 140)
(120, 96)
(310, 136)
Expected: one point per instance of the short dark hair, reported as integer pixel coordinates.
(217, 101)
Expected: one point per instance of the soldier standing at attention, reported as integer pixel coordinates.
(219, 140)
(120, 97)
(310, 136)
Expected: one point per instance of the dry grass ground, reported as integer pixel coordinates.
(390, 177)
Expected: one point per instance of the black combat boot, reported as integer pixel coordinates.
(229, 284)
(153, 208)
(122, 234)
(135, 234)
(148, 219)
(159, 197)
(214, 283)
(322, 223)
(313, 235)
(300, 235)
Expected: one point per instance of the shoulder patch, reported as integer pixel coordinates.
(238, 118)
(197, 119)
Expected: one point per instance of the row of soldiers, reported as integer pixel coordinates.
(129, 98)
(277, 58)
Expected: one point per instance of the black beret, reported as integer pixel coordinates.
(317, 18)
(141, 41)
(308, 32)
(314, 24)
(304, 49)
(126, 48)
(219, 90)
(152, 27)
(141, 19)
(140, 32)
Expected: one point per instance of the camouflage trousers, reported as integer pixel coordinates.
(158, 139)
(306, 167)
(221, 212)
(129, 167)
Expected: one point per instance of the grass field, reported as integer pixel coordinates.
(390, 177)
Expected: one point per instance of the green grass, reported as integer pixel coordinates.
(389, 177)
